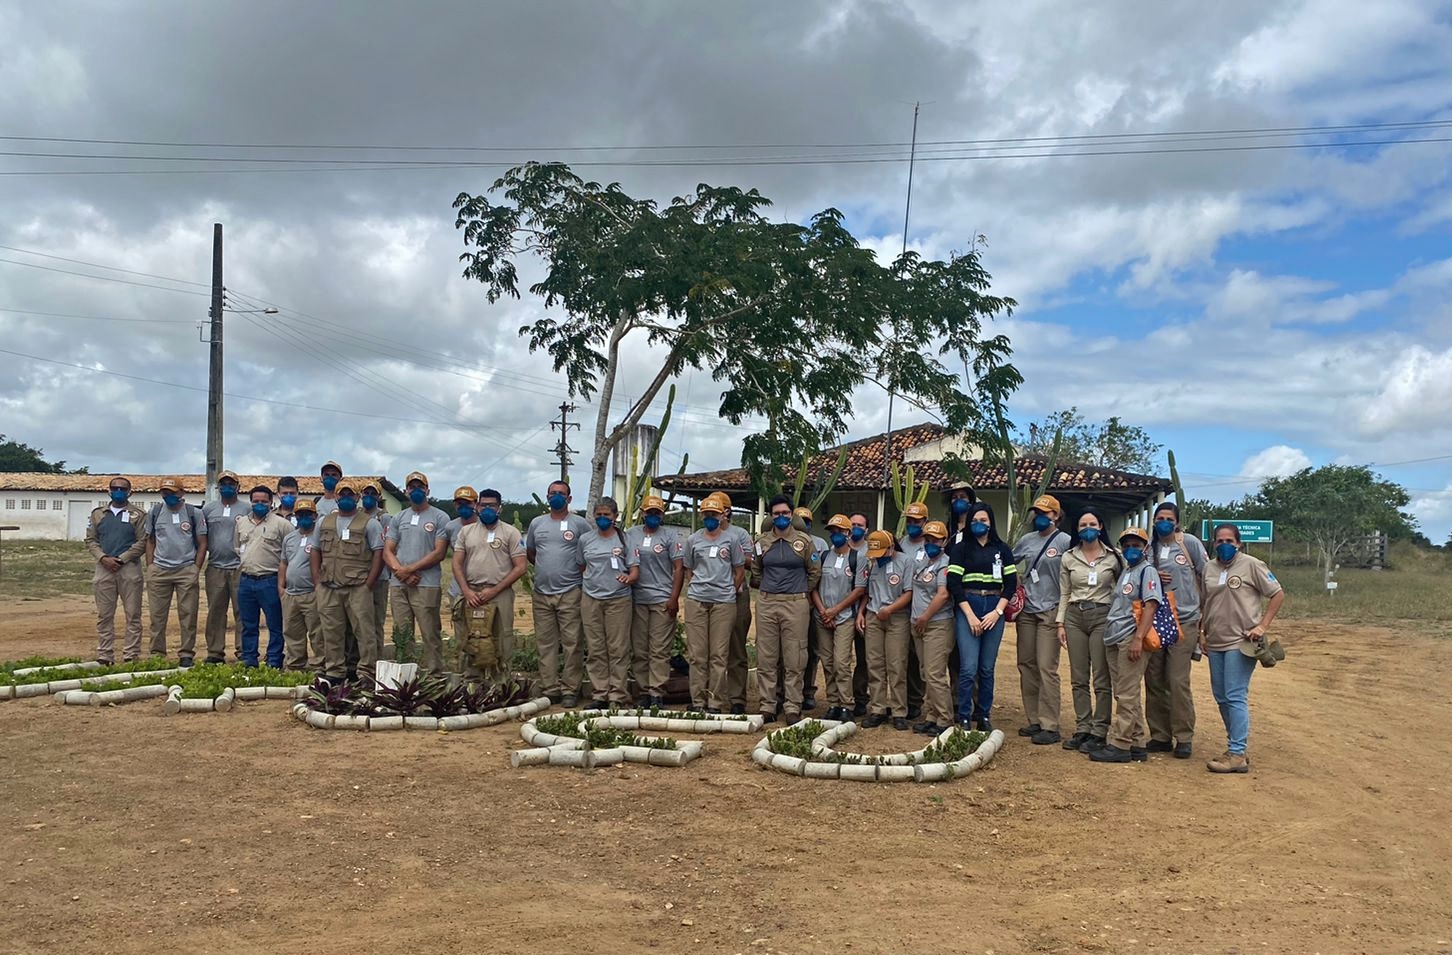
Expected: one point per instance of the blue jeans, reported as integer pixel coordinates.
(254, 594)
(1230, 672)
(977, 654)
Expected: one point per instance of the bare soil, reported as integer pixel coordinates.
(125, 831)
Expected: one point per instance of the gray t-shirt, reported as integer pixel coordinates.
(1186, 565)
(605, 559)
(326, 506)
(929, 576)
(297, 552)
(177, 534)
(839, 579)
(222, 533)
(451, 532)
(1043, 594)
(1140, 582)
(657, 552)
(557, 551)
(415, 534)
(888, 582)
(740, 538)
(711, 563)
(913, 550)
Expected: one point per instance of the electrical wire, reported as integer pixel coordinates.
(99, 318)
(104, 278)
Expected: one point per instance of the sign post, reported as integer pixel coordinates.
(1251, 532)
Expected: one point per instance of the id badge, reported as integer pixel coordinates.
(997, 570)
(1224, 575)
(343, 533)
(1034, 575)
(1093, 578)
(176, 518)
(841, 562)
(615, 563)
(1165, 552)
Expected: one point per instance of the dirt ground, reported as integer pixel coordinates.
(125, 831)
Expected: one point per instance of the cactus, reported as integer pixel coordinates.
(822, 490)
(685, 460)
(1175, 480)
(1051, 464)
(539, 500)
(905, 491)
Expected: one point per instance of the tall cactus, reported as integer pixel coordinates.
(822, 490)
(905, 491)
(1051, 464)
(1175, 481)
(638, 482)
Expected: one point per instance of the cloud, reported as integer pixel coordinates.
(1414, 396)
(1279, 460)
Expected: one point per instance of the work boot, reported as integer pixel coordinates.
(658, 703)
(712, 711)
(1160, 746)
(1229, 763)
(809, 702)
(1183, 750)
(1030, 729)
(569, 701)
(738, 709)
(1109, 753)
(1092, 743)
(1076, 741)
(1138, 754)
(792, 717)
(599, 704)
(1046, 737)
(927, 728)
(899, 723)
(875, 720)
(914, 712)
(768, 716)
(859, 709)
(985, 726)
(643, 703)
(185, 663)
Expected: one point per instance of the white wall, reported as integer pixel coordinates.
(43, 515)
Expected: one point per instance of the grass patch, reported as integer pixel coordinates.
(35, 570)
(7, 670)
(208, 680)
(143, 665)
(1414, 589)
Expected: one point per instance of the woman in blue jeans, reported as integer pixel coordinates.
(981, 578)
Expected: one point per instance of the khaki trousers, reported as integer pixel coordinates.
(887, 655)
(1169, 706)
(162, 583)
(1128, 730)
(221, 585)
(652, 632)
(380, 618)
(839, 655)
(607, 645)
(709, 634)
(124, 585)
(302, 640)
(417, 609)
(461, 623)
(781, 649)
(557, 632)
(737, 663)
(935, 646)
(502, 626)
(1089, 666)
(338, 609)
(1038, 667)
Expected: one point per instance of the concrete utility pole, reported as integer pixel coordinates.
(562, 449)
(891, 390)
(214, 370)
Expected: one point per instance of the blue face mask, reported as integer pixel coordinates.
(1089, 535)
(288, 500)
(370, 501)
(119, 495)
(170, 500)
(557, 502)
(1134, 554)
(489, 515)
(306, 524)
(884, 560)
(228, 491)
(711, 523)
(260, 508)
(466, 511)
(978, 528)
(781, 522)
(1226, 551)
(932, 550)
(960, 507)
(604, 523)
(1164, 528)
(329, 482)
(838, 539)
(652, 521)
(858, 532)
(915, 531)
(347, 504)
(1042, 522)
(417, 495)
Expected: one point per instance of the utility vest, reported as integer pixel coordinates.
(345, 562)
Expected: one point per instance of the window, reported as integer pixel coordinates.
(55, 505)
(25, 504)
(10, 504)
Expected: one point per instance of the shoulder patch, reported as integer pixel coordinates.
(798, 545)
(894, 579)
(429, 527)
(1269, 576)
(1181, 559)
(1128, 588)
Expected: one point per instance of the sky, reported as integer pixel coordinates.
(1257, 310)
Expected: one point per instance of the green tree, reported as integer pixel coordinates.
(788, 318)
(1107, 444)
(1332, 506)
(17, 456)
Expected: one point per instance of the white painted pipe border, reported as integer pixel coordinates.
(377, 724)
(886, 768)
(545, 746)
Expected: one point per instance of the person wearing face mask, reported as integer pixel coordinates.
(223, 569)
(1169, 706)
(346, 560)
(715, 572)
(287, 499)
(736, 660)
(371, 504)
(1038, 555)
(260, 534)
(176, 548)
(331, 474)
(840, 588)
(932, 625)
(802, 520)
(414, 544)
(301, 638)
(1137, 594)
(858, 542)
(488, 558)
(981, 578)
(785, 569)
(552, 545)
(466, 506)
(1088, 572)
(1242, 598)
(883, 620)
(912, 544)
(607, 607)
(659, 550)
(960, 500)
(116, 538)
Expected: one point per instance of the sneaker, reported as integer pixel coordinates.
(1183, 750)
(1160, 746)
(965, 725)
(875, 720)
(1229, 763)
(809, 702)
(1109, 753)
(985, 726)
(1046, 737)
(1030, 729)
(1076, 741)
(738, 709)
(569, 701)
(859, 709)
(927, 728)
(899, 723)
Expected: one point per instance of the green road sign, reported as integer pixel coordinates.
(1251, 532)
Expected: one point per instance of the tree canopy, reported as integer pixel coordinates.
(1332, 506)
(1107, 444)
(17, 456)
(787, 318)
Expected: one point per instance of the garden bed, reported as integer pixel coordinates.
(808, 749)
(585, 739)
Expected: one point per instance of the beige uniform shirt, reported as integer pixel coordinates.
(1235, 596)
(1075, 572)
(489, 552)
(259, 543)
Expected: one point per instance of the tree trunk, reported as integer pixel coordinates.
(603, 445)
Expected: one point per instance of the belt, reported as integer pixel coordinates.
(983, 593)
(1085, 605)
(800, 596)
(272, 575)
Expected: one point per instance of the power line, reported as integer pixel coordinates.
(109, 268)
(104, 278)
(99, 318)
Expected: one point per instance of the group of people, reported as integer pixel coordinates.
(903, 631)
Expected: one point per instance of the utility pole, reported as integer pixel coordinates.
(214, 369)
(907, 211)
(562, 448)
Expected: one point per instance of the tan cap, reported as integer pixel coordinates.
(465, 493)
(916, 511)
(1139, 532)
(936, 529)
(172, 484)
(371, 486)
(805, 513)
(839, 522)
(346, 486)
(1047, 502)
(652, 502)
(721, 498)
(879, 543)
(712, 505)
(229, 474)
(334, 465)
(418, 476)
(304, 506)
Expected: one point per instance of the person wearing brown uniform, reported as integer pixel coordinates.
(785, 568)
(489, 557)
(347, 560)
(116, 538)
(883, 620)
(176, 548)
(1137, 595)
(715, 572)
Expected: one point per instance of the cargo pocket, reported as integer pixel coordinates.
(482, 644)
